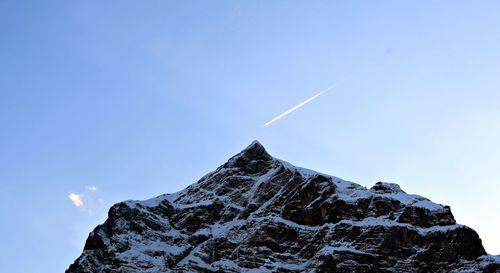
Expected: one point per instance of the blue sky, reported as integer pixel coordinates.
(143, 98)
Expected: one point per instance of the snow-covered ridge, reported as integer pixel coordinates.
(348, 191)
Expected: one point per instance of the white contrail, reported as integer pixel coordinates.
(298, 106)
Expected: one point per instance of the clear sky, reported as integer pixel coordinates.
(140, 98)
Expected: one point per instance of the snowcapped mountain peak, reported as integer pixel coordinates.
(257, 213)
(255, 145)
(252, 154)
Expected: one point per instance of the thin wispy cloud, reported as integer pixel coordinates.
(91, 188)
(76, 199)
(296, 107)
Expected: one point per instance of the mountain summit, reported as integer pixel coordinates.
(257, 213)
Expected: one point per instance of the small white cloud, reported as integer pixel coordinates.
(91, 188)
(76, 199)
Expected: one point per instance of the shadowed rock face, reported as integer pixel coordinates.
(257, 213)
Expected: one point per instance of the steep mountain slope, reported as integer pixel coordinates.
(257, 213)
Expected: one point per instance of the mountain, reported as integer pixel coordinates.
(256, 213)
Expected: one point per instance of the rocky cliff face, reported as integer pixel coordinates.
(257, 213)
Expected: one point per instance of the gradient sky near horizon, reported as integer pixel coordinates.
(117, 100)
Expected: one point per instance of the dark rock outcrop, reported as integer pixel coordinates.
(257, 213)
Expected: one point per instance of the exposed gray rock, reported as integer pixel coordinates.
(257, 213)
